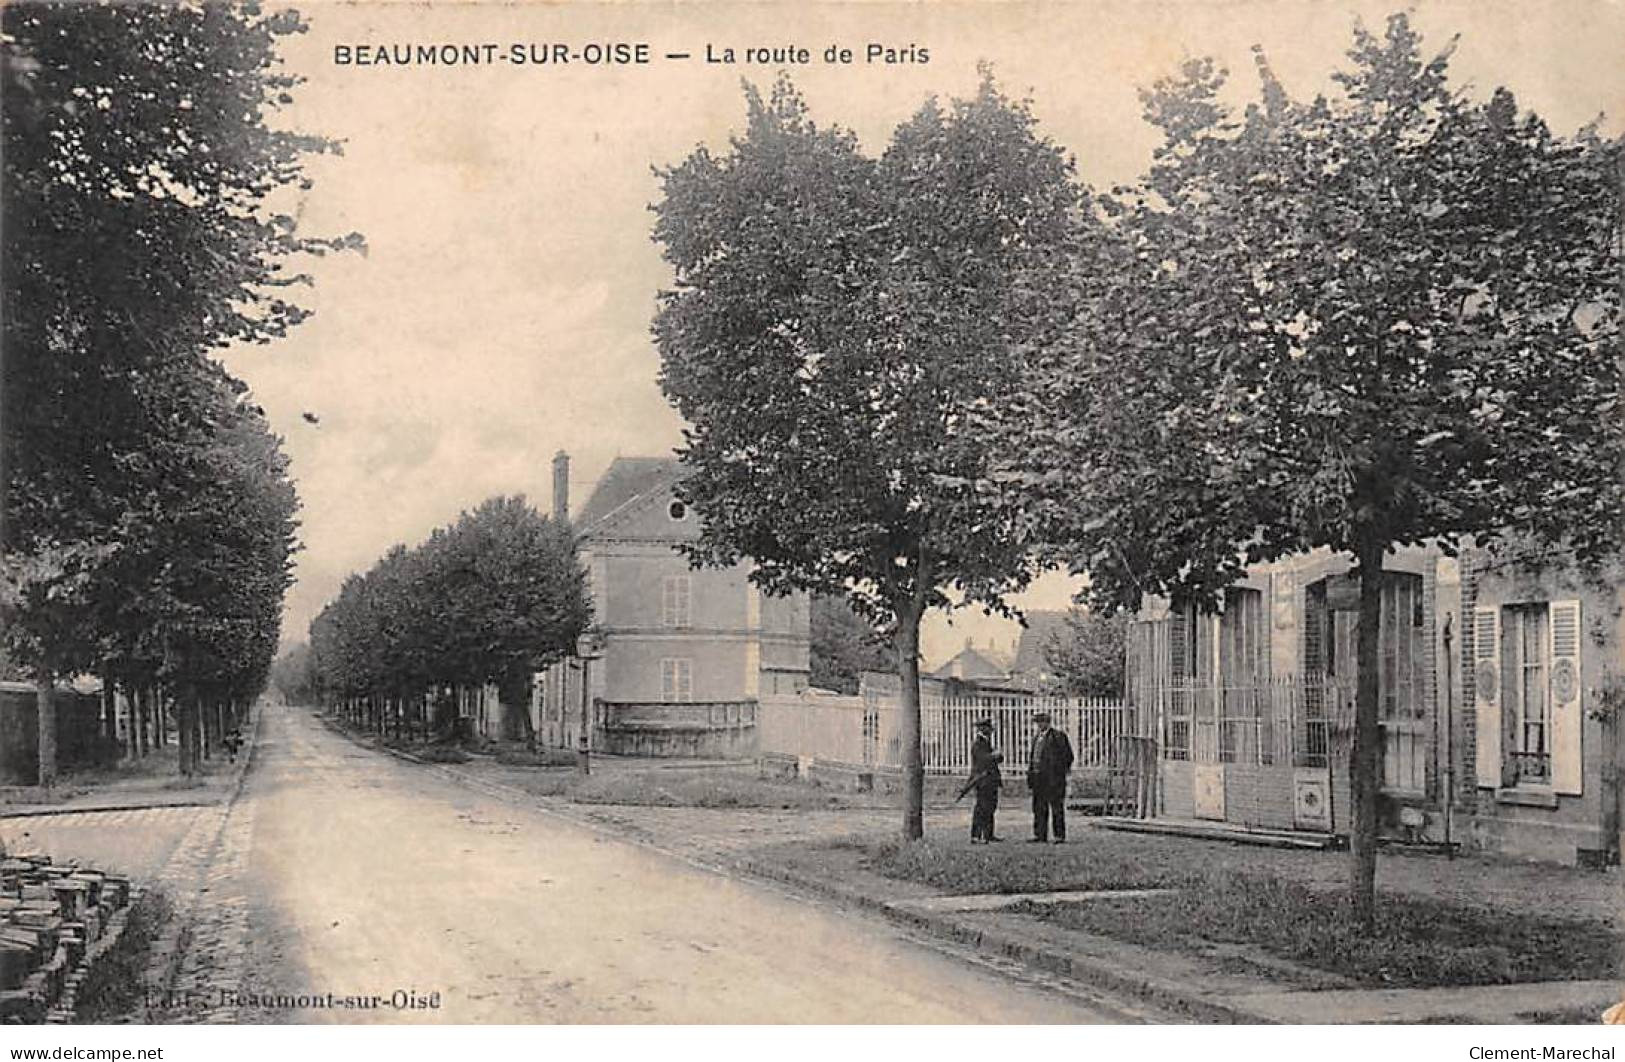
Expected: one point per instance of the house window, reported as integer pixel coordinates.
(1525, 671)
(676, 600)
(1402, 616)
(1331, 666)
(1190, 658)
(1403, 685)
(677, 680)
(1241, 634)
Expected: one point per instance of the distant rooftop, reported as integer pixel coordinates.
(973, 663)
(1032, 654)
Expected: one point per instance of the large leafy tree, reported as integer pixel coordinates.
(836, 324)
(515, 597)
(1383, 316)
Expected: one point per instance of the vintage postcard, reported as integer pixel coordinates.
(751, 513)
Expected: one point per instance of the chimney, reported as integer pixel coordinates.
(561, 487)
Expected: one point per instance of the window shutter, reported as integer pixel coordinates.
(1487, 693)
(1564, 628)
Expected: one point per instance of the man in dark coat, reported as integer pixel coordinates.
(986, 780)
(1047, 765)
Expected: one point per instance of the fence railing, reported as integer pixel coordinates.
(1283, 721)
(867, 732)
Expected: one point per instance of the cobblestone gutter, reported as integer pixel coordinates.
(202, 947)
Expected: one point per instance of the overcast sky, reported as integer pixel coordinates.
(502, 312)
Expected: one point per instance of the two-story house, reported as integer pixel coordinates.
(686, 652)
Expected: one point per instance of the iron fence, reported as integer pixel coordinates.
(867, 731)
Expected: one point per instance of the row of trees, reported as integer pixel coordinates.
(148, 515)
(1387, 314)
(491, 598)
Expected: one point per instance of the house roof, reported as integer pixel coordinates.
(969, 663)
(626, 480)
(1031, 654)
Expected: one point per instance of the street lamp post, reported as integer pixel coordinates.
(589, 647)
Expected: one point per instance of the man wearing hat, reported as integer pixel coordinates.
(1047, 767)
(985, 779)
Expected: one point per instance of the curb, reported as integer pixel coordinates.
(38, 813)
(1163, 994)
(1167, 995)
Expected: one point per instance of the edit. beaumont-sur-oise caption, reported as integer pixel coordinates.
(400, 999)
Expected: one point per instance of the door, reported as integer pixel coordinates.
(1331, 662)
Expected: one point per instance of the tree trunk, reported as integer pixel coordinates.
(200, 735)
(184, 744)
(908, 673)
(513, 699)
(1363, 757)
(45, 706)
(109, 707)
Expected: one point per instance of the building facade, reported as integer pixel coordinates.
(1494, 701)
(1542, 686)
(686, 652)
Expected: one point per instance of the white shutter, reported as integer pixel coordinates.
(1567, 765)
(1487, 693)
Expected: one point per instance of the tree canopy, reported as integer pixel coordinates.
(147, 517)
(1388, 316)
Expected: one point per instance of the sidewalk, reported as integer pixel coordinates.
(152, 782)
(820, 852)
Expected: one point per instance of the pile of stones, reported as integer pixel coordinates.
(54, 918)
